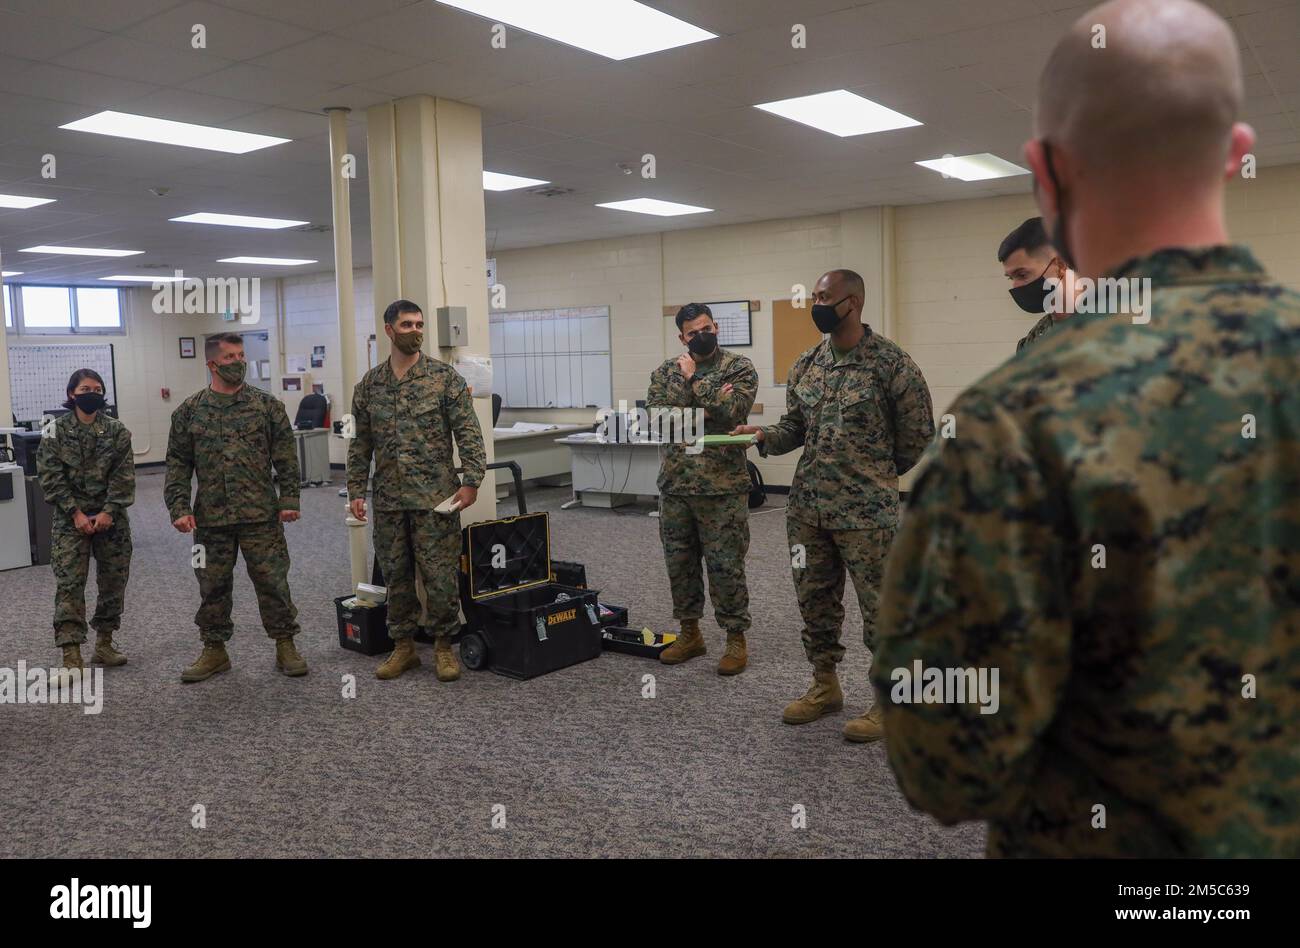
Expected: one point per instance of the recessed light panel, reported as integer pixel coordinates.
(164, 131)
(495, 181)
(656, 207)
(267, 261)
(616, 29)
(22, 203)
(973, 167)
(81, 251)
(237, 220)
(840, 112)
(144, 279)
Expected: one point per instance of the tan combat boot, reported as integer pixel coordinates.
(689, 644)
(402, 660)
(105, 653)
(72, 657)
(869, 726)
(287, 659)
(445, 664)
(822, 698)
(736, 657)
(214, 659)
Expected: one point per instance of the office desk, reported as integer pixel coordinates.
(611, 475)
(536, 453)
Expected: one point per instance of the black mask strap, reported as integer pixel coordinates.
(1060, 237)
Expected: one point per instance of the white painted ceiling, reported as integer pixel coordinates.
(965, 68)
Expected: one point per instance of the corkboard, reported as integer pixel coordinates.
(793, 334)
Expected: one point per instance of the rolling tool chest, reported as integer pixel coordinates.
(518, 621)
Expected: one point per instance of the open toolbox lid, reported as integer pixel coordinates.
(501, 556)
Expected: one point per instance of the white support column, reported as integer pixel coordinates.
(6, 404)
(428, 233)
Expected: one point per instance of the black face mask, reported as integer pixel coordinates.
(703, 343)
(1032, 296)
(89, 402)
(825, 317)
(1059, 231)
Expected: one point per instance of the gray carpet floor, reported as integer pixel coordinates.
(582, 764)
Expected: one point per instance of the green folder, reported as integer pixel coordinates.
(707, 440)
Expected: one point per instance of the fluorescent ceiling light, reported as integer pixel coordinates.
(656, 207)
(22, 203)
(495, 181)
(616, 29)
(82, 251)
(238, 220)
(267, 261)
(973, 167)
(164, 131)
(841, 113)
(11, 273)
(145, 279)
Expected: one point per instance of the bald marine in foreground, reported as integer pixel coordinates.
(1115, 527)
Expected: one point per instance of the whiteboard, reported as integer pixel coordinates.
(551, 358)
(38, 375)
(734, 328)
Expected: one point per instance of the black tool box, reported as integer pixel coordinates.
(632, 641)
(363, 628)
(518, 622)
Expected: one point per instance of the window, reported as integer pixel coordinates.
(91, 310)
(47, 307)
(97, 307)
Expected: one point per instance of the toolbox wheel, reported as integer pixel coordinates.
(473, 651)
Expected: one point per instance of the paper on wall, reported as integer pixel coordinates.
(477, 372)
(295, 364)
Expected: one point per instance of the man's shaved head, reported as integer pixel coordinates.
(1160, 97)
(846, 281)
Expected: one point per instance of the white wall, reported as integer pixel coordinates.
(147, 359)
(950, 310)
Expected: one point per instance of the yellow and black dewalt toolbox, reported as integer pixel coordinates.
(518, 621)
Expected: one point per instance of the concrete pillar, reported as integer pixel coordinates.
(867, 242)
(428, 235)
(340, 193)
(6, 403)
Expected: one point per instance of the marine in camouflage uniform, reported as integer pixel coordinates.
(1115, 527)
(88, 467)
(1121, 685)
(703, 502)
(862, 420)
(241, 447)
(1040, 329)
(408, 425)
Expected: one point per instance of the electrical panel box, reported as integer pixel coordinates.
(453, 326)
